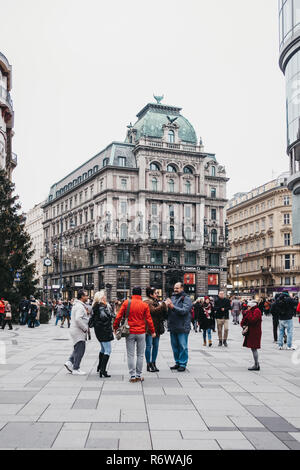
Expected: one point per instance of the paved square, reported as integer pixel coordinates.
(217, 404)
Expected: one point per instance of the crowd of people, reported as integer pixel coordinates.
(142, 321)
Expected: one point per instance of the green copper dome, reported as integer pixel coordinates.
(152, 118)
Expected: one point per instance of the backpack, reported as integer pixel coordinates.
(33, 310)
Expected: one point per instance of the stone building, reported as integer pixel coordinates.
(34, 227)
(262, 260)
(8, 159)
(147, 211)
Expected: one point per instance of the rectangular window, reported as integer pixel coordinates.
(214, 214)
(154, 209)
(156, 279)
(287, 281)
(214, 259)
(123, 257)
(101, 257)
(188, 211)
(190, 258)
(213, 193)
(286, 219)
(287, 239)
(156, 257)
(287, 262)
(122, 161)
(171, 211)
(173, 256)
(123, 280)
(286, 200)
(123, 206)
(123, 184)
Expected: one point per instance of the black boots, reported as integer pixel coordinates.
(225, 343)
(255, 367)
(100, 360)
(151, 367)
(103, 366)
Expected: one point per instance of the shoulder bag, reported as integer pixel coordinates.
(124, 330)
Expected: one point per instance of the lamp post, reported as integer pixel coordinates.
(60, 256)
(238, 282)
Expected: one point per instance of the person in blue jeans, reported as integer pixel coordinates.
(285, 306)
(179, 325)
(158, 313)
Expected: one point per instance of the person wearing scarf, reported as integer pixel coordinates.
(252, 324)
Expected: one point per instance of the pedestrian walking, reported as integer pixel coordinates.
(198, 310)
(274, 310)
(32, 312)
(158, 312)
(101, 321)
(79, 331)
(7, 315)
(138, 313)
(66, 312)
(179, 325)
(236, 309)
(23, 310)
(251, 324)
(222, 307)
(59, 313)
(207, 321)
(285, 306)
(2, 311)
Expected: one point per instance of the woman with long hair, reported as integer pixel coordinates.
(102, 323)
(252, 331)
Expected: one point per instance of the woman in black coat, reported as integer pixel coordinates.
(102, 322)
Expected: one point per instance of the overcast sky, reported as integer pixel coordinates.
(83, 70)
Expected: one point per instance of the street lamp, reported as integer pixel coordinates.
(238, 282)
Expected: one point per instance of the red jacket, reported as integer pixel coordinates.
(298, 308)
(2, 307)
(253, 319)
(138, 316)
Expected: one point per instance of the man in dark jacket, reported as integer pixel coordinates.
(285, 306)
(222, 308)
(179, 325)
(23, 310)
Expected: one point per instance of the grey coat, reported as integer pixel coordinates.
(79, 322)
(179, 319)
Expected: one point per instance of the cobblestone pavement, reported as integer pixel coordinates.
(216, 404)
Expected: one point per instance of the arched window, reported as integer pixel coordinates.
(213, 171)
(188, 187)
(154, 167)
(171, 136)
(214, 237)
(172, 233)
(124, 232)
(105, 162)
(84, 176)
(154, 184)
(171, 186)
(171, 169)
(90, 172)
(188, 170)
(154, 232)
(95, 169)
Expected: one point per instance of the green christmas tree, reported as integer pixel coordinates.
(15, 246)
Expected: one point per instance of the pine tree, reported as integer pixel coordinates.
(15, 246)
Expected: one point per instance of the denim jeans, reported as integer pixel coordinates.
(77, 355)
(135, 342)
(286, 324)
(208, 334)
(106, 347)
(179, 343)
(151, 346)
(57, 319)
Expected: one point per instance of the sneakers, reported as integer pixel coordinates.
(69, 366)
(292, 348)
(280, 348)
(255, 367)
(181, 369)
(78, 372)
(132, 380)
(175, 367)
(210, 344)
(139, 379)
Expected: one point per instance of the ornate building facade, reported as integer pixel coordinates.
(263, 260)
(34, 227)
(8, 159)
(148, 211)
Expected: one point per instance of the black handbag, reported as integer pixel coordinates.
(124, 330)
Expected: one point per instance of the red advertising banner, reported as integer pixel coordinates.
(189, 279)
(213, 279)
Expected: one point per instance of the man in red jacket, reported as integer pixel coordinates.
(139, 315)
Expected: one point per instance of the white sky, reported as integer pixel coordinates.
(83, 70)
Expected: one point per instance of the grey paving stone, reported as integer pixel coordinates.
(277, 424)
(264, 441)
(214, 428)
(29, 435)
(284, 436)
(102, 444)
(85, 404)
(119, 427)
(168, 400)
(15, 397)
(292, 445)
(261, 411)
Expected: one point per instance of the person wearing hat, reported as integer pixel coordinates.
(252, 331)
